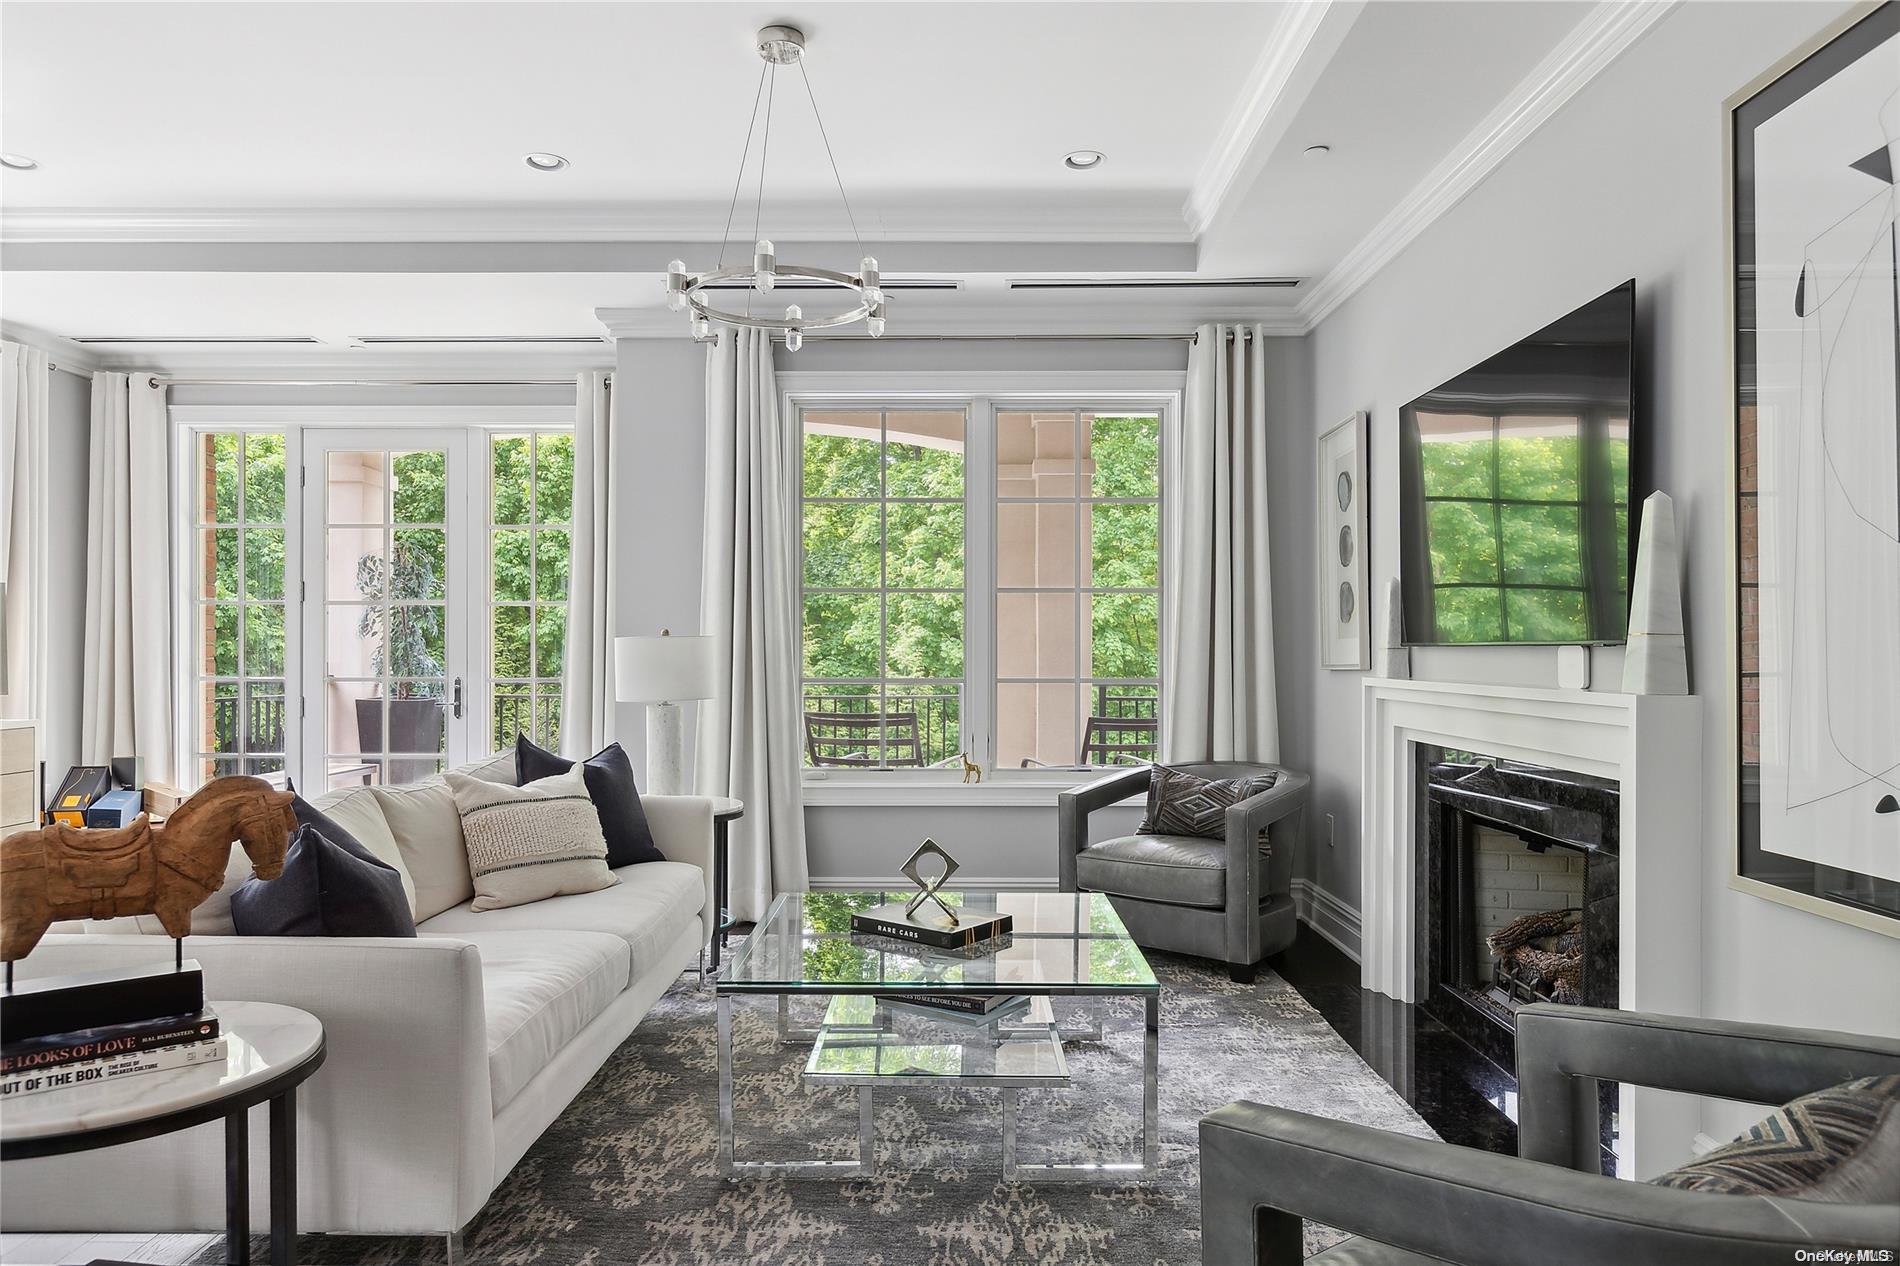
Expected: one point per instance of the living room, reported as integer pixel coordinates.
(950, 632)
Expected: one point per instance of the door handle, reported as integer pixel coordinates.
(455, 698)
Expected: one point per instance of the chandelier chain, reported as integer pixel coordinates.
(832, 159)
(765, 153)
(739, 179)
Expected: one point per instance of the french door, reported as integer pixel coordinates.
(391, 581)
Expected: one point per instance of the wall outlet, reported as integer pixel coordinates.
(1330, 824)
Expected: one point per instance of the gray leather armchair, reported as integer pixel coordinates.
(1415, 1202)
(1230, 900)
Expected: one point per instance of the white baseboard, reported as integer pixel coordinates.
(1326, 914)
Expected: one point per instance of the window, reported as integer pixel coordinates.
(238, 490)
(981, 577)
(530, 505)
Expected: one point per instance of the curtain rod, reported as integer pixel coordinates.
(156, 379)
(1015, 338)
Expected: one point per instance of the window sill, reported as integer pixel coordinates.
(900, 791)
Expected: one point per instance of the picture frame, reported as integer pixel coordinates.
(1814, 484)
(1345, 637)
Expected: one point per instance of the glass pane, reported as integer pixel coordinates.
(1538, 458)
(353, 640)
(1035, 545)
(219, 718)
(354, 565)
(547, 718)
(263, 641)
(841, 635)
(261, 765)
(357, 489)
(831, 735)
(1468, 615)
(923, 454)
(421, 558)
(264, 564)
(510, 457)
(264, 478)
(1126, 455)
(1546, 615)
(513, 581)
(1119, 723)
(1455, 453)
(224, 641)
(925, 635)
(1035, 635)
(418, 641)
(841, 545)
(514, 713)
(421, 491)
(220, 475)
(926, 545)
(511, 642)
(219, 565)
(1543, 544)
(348, 771)
(1126, 545)
(938, 725)
(554, 478)
(354, 710)
(1464, 542)
(1126, 635)
(1035, 454)
(550, 639)
(842, 451)
(1036, 724)
(264, 724)
(551, 564)
(417, 717)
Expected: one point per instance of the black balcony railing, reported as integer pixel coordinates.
(253, 725)
(831, 738)
(514, 714)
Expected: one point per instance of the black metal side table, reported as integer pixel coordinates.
(726, 811)
(271, 1050)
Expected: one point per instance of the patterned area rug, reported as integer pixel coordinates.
(627, 1174)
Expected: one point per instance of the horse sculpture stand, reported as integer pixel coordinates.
(62, 872)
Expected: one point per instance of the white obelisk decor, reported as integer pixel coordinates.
(1657, 659)
(659, 672)
(1395, 657)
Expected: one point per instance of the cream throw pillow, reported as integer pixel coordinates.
(533, 842)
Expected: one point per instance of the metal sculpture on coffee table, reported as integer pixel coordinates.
(62, 872)
(927, 888)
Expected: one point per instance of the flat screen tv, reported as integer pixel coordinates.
(1515, 490)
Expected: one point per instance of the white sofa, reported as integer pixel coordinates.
(448, 1055)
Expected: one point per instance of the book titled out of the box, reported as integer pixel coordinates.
(94, 1072)
(930, 926)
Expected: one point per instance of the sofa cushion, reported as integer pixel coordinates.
(1180, 803)
(611, 787)
(528, 843)
(648, 909)
(1841, 1145)
(497, 768)
(1178, 870)
(428, 833)
(539, 990)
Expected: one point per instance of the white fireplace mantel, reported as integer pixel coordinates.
(1650, 744)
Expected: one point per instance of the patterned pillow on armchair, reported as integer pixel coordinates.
(1180, 803)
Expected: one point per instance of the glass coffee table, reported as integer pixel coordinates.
(1063, 945)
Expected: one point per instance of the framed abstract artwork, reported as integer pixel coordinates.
(1344, 638)
(1815, 645)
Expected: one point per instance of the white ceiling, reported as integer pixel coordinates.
(185, 153)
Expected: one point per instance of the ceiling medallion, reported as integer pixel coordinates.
(778, 46)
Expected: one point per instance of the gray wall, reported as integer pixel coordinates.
(1626, 181)
(70, 422)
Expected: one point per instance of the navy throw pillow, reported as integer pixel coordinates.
(331, 886)
(609, 777)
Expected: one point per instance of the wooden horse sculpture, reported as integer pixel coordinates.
(62, 872)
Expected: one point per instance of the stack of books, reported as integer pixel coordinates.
(974, 1010)
(85, 1030)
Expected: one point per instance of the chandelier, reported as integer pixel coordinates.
(779, 46)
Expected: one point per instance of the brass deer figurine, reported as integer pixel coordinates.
(62, 872)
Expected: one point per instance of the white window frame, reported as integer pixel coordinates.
(293, 421)
(982, 396)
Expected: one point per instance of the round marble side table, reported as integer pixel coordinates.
(270, 1051)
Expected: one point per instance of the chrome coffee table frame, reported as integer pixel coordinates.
(742, 976)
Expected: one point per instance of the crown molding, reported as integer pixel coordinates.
(1609, 31)
(63, 352)
(367, 364)
(1125, 218)
(1274, 92)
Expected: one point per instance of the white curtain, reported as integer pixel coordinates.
(749, 733)
(1217, 630)
(25, 484)
(126, 705)
(587, 682)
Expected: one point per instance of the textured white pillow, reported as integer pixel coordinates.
(532, 842)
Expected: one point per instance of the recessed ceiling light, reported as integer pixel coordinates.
(1318, 151)
(18, 162)
(545, 162)
(1082, 159)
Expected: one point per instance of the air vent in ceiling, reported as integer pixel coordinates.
(887, 283)
(197, 339)
(1153, 283)
(399, 340)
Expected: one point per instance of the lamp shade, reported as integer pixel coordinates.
(662, 669)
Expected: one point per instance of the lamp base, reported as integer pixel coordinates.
(666, 750)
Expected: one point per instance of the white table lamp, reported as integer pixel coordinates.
(659, 672)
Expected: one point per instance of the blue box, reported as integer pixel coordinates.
(115, 808)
